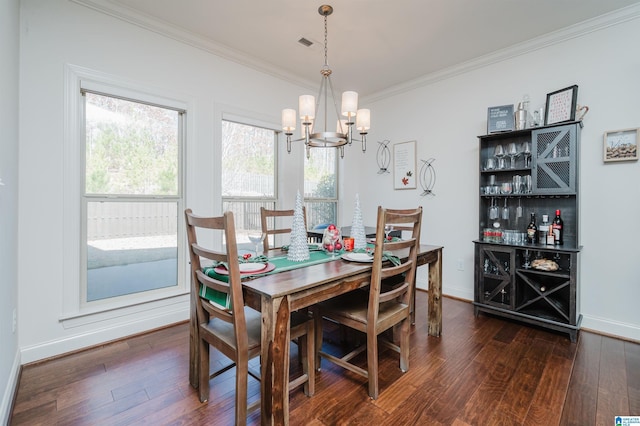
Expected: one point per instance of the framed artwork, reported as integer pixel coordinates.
(621, 145)
(561, 105)
(500, 119)
(404, 165)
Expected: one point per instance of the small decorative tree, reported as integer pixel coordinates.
(357, 228)
(298, 247)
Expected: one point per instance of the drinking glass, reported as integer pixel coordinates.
(257, 237)
(505, 211)
(517, 184)
(333, 238)
(387, 229)
(527, 184)
(499, 154)
(493, 210)
(513, 153)
(526, 151)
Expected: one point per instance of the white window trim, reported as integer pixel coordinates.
(75, 312)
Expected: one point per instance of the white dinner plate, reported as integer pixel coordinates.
(358, 257)
(251, 267)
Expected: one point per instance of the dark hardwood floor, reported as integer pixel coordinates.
(482, 371)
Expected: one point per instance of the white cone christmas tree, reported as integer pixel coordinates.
(298, 247)
(357, 228)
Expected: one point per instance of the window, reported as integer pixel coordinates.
(131, 198)
(321, 187)
(249, 175)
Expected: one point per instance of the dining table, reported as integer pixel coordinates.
(279, 293)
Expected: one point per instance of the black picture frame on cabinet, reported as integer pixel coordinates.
(561, 105)
(500, 119)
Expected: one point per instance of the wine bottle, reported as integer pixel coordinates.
(532, 230)
(557, 228)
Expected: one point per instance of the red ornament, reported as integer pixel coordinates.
(338, 246)
(331, 227)
(246, 256)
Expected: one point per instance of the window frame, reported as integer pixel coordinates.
(273, 200)
(76, 311)
(308, 201)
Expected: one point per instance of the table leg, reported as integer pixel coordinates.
(435, 296)
(275, 361)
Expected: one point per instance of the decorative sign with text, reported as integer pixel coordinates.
(404, 165)
(500, 119)
(561, 105)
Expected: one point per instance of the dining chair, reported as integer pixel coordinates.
(231, 327)
(271, 221)
(386, 307)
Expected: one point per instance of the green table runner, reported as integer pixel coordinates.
(281, 263)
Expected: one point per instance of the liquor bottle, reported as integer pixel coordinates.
(532, 230)
(557, 228)
(550, 238)
(543, 229)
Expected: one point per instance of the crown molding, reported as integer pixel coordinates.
(163, 28)
(191, 39)
(574, 31)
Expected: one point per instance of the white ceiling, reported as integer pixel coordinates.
(373, 45)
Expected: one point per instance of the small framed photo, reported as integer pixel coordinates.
(561, 105)
(621, 145)
(404, 165)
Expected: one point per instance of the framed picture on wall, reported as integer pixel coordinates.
(404, 165)
(561, 105)
(621, 145)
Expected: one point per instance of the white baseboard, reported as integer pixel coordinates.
(131, 325)
(10, 390)
(457, 292)
(611, 327)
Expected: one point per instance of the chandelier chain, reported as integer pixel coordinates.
(326, 62)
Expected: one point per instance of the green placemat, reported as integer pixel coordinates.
(281, 263)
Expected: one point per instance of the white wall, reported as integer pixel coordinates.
(9, 48)
(446, 116)
(58, 33)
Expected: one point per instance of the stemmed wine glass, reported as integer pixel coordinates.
(512, 152)
(333, 238)
(387, 230)
(493, 210)
(257, 237)
(498, 152)
(526, 151)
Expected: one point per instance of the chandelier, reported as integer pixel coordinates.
(308, 107)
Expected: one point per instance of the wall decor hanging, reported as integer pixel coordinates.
(561, 105)
(427, 177)
(621, 145)
(404, 165)
(383, 156)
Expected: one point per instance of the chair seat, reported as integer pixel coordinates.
(354, 306)
(224, 330)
